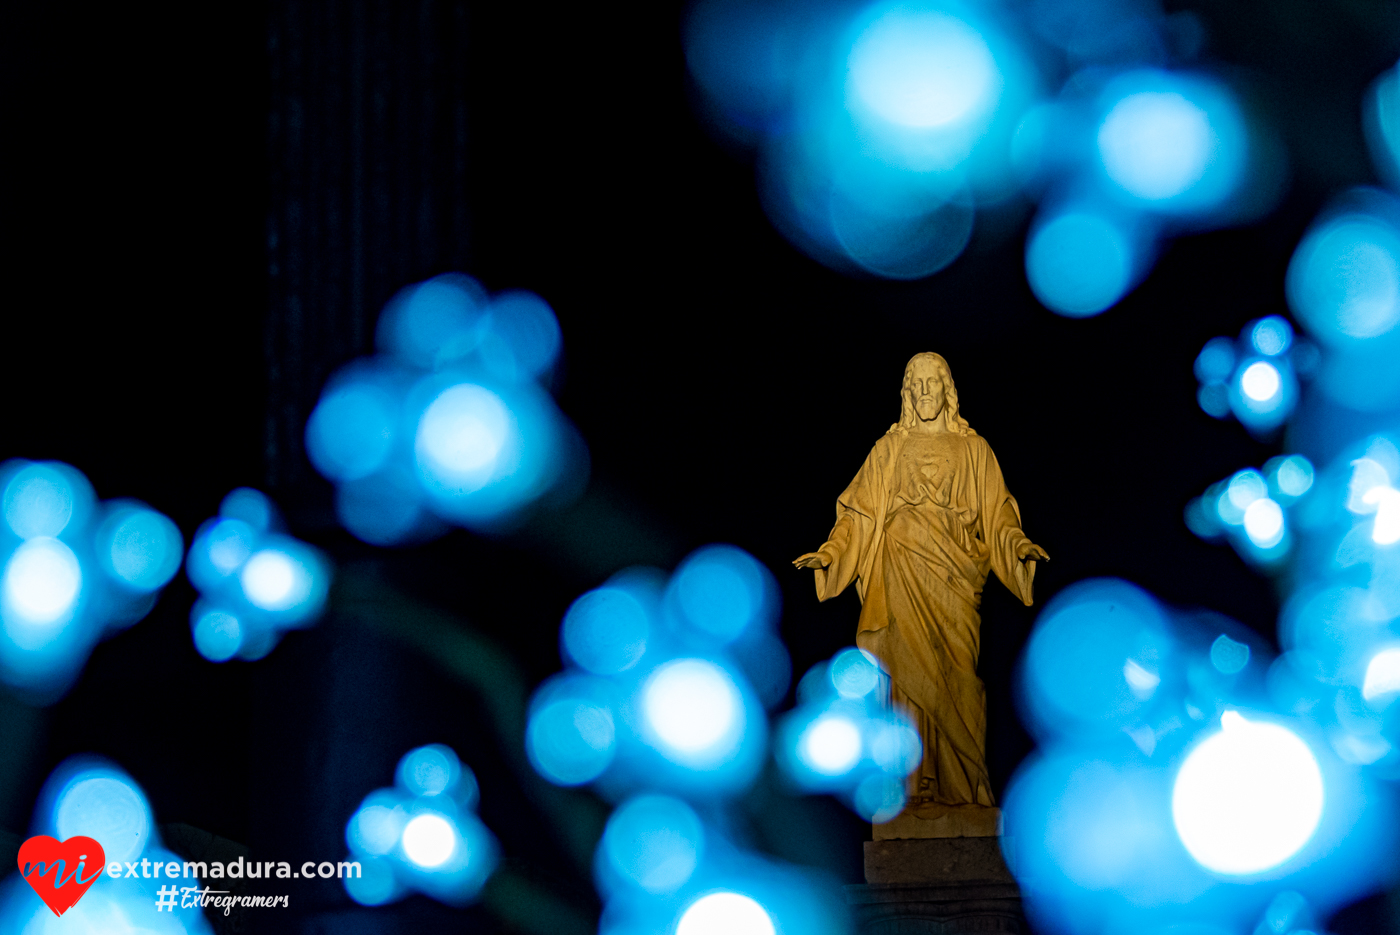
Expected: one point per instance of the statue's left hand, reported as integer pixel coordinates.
(1029, 550)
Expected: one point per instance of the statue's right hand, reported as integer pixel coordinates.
(812, 560)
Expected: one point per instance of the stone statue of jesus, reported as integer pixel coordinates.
(926, 518)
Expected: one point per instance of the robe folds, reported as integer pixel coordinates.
(917, 531)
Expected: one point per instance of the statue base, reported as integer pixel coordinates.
(942, 821)
(936, 886)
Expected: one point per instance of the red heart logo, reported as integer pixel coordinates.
(55, 869)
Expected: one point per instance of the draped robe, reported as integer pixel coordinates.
(917, 531)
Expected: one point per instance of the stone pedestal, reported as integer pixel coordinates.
(936, 886)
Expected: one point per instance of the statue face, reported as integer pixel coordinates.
(926, 389)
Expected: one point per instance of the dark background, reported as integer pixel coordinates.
(204, 207)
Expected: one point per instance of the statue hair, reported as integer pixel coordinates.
(907, 418)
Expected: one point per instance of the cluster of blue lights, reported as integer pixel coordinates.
(91, 797)
(663, 868)
(1256, 376)
(1251, 509)
(1120, 160)
(1184, 772)
(881, 129)
(422, 834)
(1344, 285)
(1176, 778)
(254, 580)
(885, 127)
(668, 679)
(74, 570)
(844, 739)
(450, 422)
(662, 709)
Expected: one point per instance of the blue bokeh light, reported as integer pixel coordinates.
(422, 834)
(217, 634)
(845, 739)
(254, 582)
(1170, 141)
(1346, 279)
(1095, 658)
(1344, 284)
(449, 423)
(523, 338)
(1080, 263)
(71, 571)
(351, 432)
(654, 842)
(605, 631)
(721, 591)
(434, 322)
(90, 796)
(572, 733)
(47, 499)
(139, 547)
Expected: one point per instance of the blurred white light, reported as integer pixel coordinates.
(1248, 797)
(830, 745)
(1271, 336)
(107, 809)
(275, 581)
(725, 913)
(42, 582)
(694, 708)
(1367, 474)
(1263, 523)
(1387, 503)
(218, 635)
(429, 840)
(1260, 381)
(1156, 145)
(1382, 675)
(1079, 264)
(461, 435)
(922, 69)
(1140, 681)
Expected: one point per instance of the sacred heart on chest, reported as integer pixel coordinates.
(58, 870)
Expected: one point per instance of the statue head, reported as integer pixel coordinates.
(928, 393)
